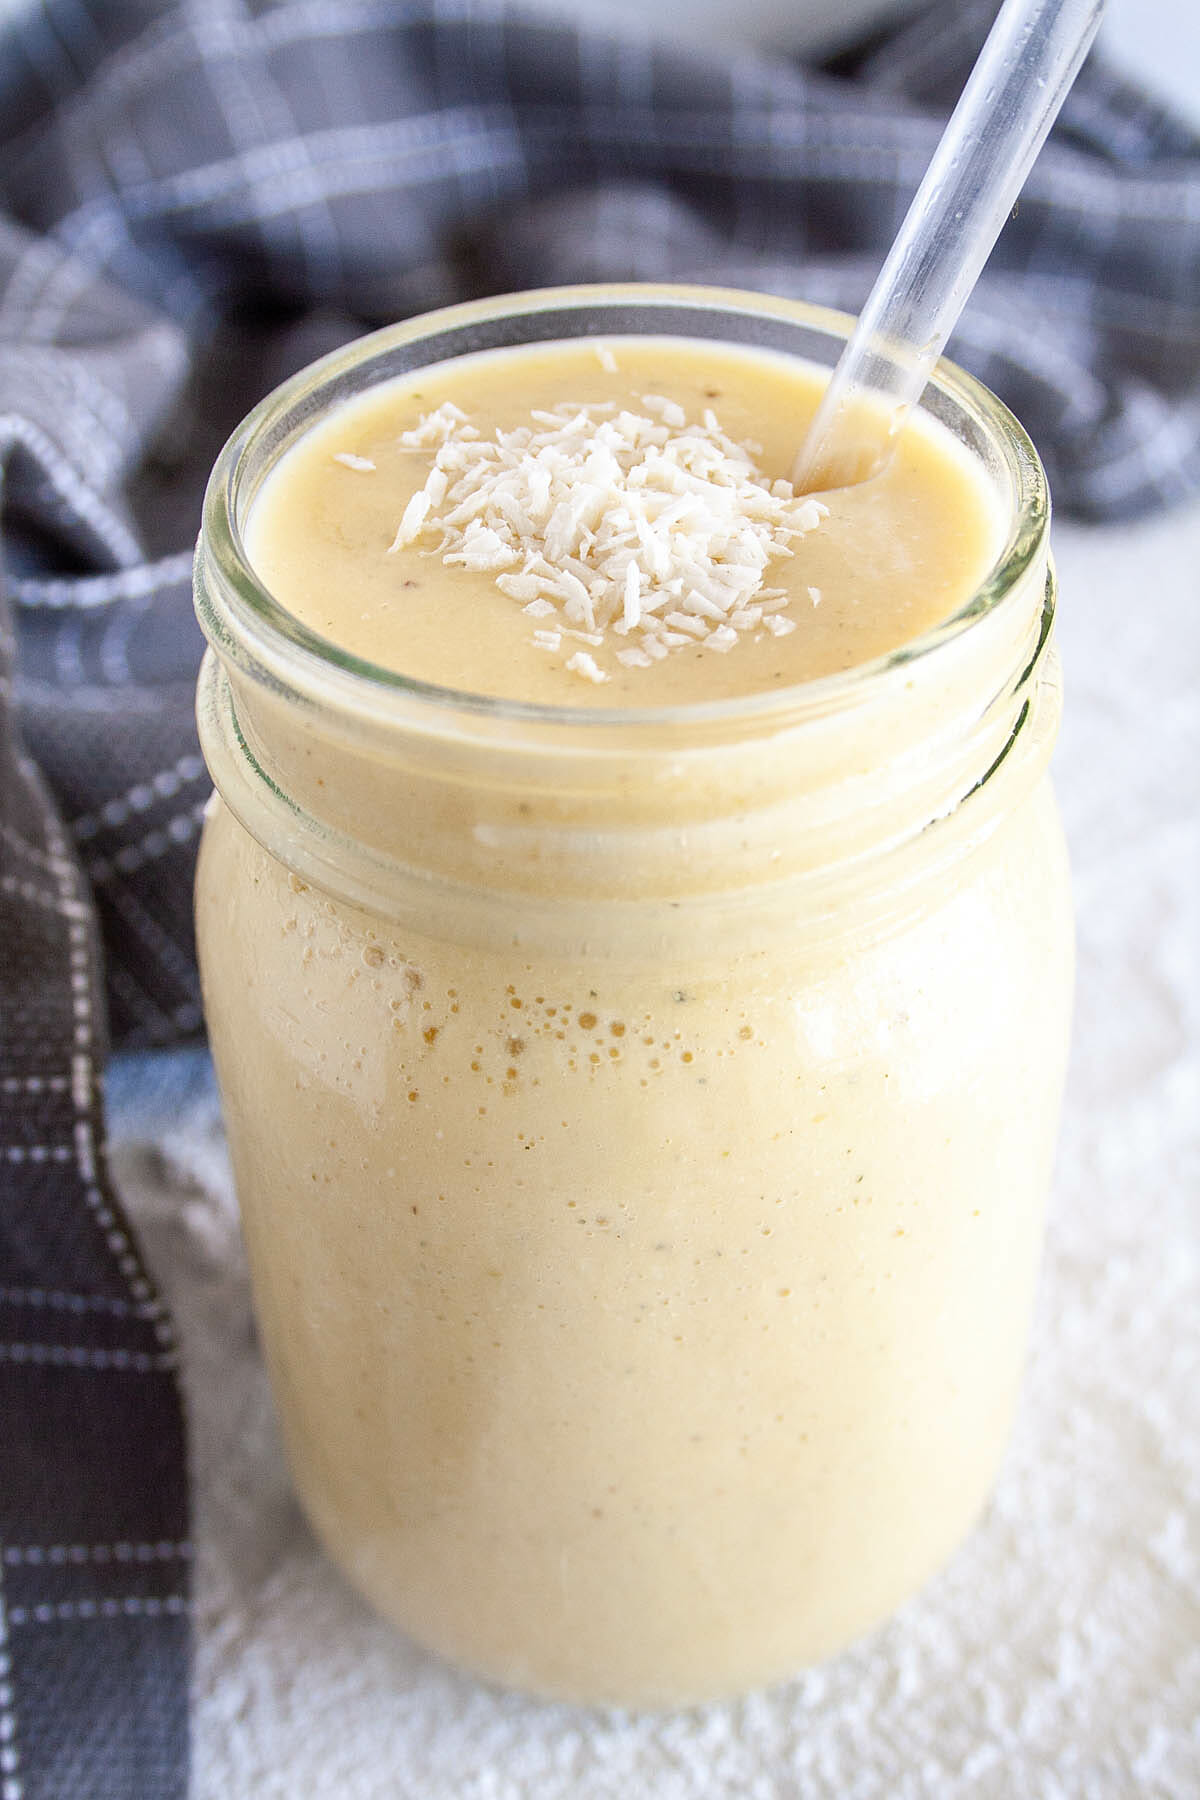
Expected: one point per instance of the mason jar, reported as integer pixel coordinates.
(641, 1120)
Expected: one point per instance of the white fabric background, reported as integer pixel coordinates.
(1058, 1657)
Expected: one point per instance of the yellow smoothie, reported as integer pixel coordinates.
(642, 1108)
(888, 560)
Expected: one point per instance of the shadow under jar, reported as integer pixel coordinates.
(642, 1121)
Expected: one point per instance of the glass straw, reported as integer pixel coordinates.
(1011, 99)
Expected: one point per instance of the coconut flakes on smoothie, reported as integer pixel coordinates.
(640, 532)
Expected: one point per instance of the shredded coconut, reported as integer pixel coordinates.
(586, 665)
(353, 461)
(635, 528)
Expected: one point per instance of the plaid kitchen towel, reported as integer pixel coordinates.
(193, 202)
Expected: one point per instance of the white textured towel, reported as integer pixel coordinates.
(1058, 1657)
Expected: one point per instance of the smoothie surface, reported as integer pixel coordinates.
(890, 559)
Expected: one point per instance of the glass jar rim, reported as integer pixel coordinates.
(293, 655)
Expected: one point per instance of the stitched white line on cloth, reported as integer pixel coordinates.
(177, 830)
(33, 1556)
(83, 1069)
(116, 537)
(85, 1153)
(10, 1756)
(140, 797)
(69, 909)
(144, 1606)
(78, 1356)
(29, 851)
(139, 582)
(55, 1300)
(91, 398)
